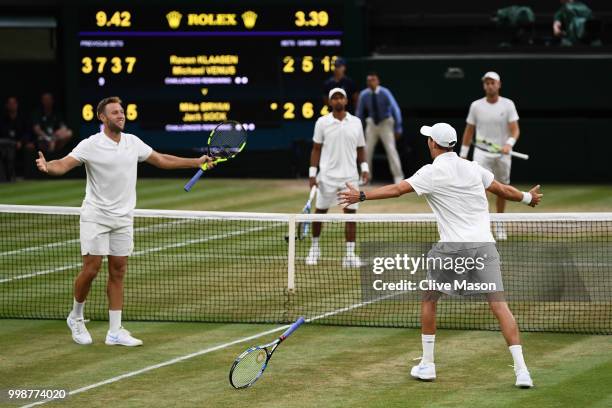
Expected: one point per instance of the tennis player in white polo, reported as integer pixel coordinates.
(338, 145)
(106, 225)
(456, 192)
(495, 119)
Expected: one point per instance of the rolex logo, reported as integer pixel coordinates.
(174, 19)
(249, 18)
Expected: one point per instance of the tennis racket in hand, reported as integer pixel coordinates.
(303, 228)
(490, 147)
(225, 141)
(250, 365)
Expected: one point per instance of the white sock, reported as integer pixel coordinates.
(77, 309)
(428, 341)
(114, 320)
(315, 242)
(350, 248)
(517, 356)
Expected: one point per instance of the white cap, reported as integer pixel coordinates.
(442, 133)
(491, 75)
(335, 91)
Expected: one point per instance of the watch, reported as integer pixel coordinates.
(362, 196)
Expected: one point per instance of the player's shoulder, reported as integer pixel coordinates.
(352, 119)
(325, 119)
(506, 101)
(425, 171)
(479, 102)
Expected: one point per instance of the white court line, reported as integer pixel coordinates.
(143, 252)
(72, 241)
(208, 350)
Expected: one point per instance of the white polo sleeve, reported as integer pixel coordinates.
(361, 137)
(485, 175)
(512, 113)
(82, 152)
(143, 149)
(471, 118)
(318, 131)
(422, 180)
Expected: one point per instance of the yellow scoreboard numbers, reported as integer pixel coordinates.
(307, 110)
(308, 63)
(116, 65)
(114, 19)
(311, 18)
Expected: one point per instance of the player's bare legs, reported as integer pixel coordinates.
(510, 330)
(351, 260)
(117, 335)
(314, 253)
(426, 369)
(82, 285)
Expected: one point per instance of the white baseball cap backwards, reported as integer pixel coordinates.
(491, 75)
(442, 133)
(335, 91)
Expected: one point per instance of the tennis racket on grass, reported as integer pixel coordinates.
(225, 141)
(490, 147)
(250, 365)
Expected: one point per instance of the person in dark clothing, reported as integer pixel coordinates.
(341, 80)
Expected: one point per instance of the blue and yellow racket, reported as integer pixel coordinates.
(250, 365)
(225, 141)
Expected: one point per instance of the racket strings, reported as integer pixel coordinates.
(249, 368)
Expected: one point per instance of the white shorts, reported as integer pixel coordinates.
(99, 239)
(327, 194)
(496, 164)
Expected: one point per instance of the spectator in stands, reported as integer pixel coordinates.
(570, 21)
(49, 127)
(14, 137)
(383, 121)
(341, 80)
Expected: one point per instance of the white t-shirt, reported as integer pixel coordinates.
(491, 119)
(340, 140)
(455, 191)
(111, 174)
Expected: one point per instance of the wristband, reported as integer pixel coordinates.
(464, 151)
(526, 198)
(364, 167)
(312, 171)
(511, 141)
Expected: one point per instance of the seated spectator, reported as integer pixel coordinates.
(48, 125)
(570, 21)
(15, 137)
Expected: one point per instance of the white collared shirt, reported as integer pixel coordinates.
(340, 140)
(111, 173)
(455, 190)
(491, 119)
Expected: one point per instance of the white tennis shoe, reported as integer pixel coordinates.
(351, 261)
(122, 338)
(523, 379)
(80, 335)
(424, 371)
(313, 256)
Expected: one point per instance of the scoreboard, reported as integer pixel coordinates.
(180, 70)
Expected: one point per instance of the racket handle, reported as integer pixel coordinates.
(518, 155)
(292, 328)
(194, 179)
(313, 191)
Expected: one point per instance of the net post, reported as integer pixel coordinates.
(291, 256)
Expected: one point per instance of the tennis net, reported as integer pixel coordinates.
(247, 267)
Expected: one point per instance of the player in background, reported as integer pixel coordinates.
(338, 145)
(494, 119)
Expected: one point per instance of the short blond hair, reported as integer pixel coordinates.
(106, 101)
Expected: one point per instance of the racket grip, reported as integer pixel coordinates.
(194, 179)
(292, 328)
(518, 155)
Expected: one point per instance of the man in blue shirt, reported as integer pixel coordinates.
(383, 121)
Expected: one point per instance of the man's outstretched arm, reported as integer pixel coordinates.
(532, 198)
(56, 167)
(169, 162)
(390, 191)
